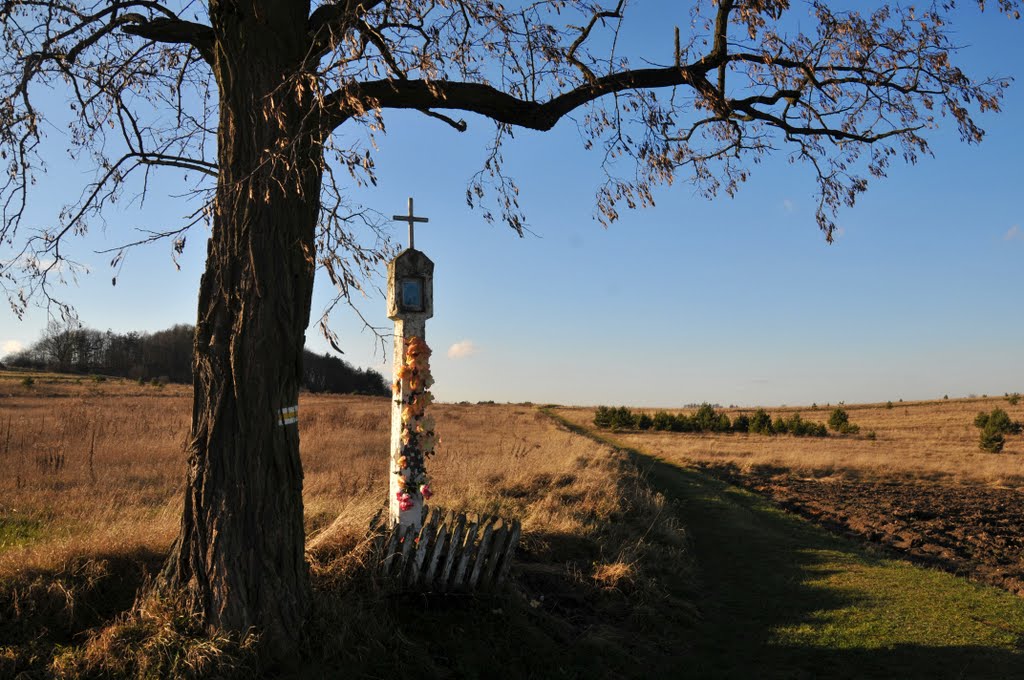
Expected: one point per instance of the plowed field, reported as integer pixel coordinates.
(971, 530)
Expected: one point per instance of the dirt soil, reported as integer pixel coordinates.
(974, 531)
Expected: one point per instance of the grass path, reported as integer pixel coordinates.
(782, 598)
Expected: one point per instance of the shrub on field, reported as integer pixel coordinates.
(798, 427)
(623, 419)
(994, 427)
(615, 418)
(839, 421)
(760, 422)
(681, 423)
(992, 440)
(1013, 399)
(706, 419)
(28, 381)
(779, 426)
(603, 417)
(998, 420)
(662, 421)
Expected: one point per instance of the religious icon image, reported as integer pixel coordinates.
(412, 294)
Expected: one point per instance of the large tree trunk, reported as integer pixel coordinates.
(240, 554)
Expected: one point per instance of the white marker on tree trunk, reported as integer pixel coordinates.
(410, 304)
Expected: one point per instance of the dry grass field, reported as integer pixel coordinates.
(100, 466)
(626, 568)
(923, 440)
(93, 479)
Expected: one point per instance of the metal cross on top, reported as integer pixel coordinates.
(411, 220)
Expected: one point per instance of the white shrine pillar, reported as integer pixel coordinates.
(410, 304)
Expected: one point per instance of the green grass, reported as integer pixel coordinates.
(16, 531)
(782, 598)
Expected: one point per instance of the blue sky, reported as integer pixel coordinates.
(735, 300)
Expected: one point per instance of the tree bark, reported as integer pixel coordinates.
(239, 557)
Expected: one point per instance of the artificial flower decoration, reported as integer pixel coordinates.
(418, 437)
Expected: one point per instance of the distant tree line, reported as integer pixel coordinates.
(167, 356)
(707, 419)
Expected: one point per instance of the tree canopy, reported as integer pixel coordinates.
(846, 94)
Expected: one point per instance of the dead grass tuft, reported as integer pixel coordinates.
(614, 575)
(160, 639)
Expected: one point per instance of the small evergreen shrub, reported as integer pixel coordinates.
(623, 419)
(760, 422)
(838, 420)
(994, 427)
(680, 423)
(992, 440)
(998, 420)
(28, 381)
(662, 421)
(1013, 399)
(741, 423)
(706, 419)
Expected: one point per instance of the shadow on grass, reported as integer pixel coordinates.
(44, 610)
(63, 602)
(754, 564)
(582, 604)
(757, 574)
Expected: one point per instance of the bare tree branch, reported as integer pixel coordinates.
(172, 31)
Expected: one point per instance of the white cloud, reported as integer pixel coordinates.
(12, 346)
(462, 349)
(1014, 234)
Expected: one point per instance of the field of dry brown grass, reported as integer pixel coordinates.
(924, 440)
(101, 465)
(93, 480)
(92, 485)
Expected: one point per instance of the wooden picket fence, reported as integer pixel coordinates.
(452, 552)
